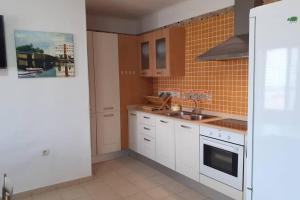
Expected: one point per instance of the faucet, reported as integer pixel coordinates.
(196, 109)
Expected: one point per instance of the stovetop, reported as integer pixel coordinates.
(230, 123)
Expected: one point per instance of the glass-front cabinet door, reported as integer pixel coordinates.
(161, 53)
(145, 46)
(145, 59)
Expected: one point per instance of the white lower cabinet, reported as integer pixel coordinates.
(170, 142)
(108, 132)
(148, 146)
(146, 135)
(133, 131)
(187, 149)
(165, 142)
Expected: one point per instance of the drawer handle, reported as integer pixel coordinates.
(110, 115)
(146, 117)
(159, 73)
(132, 114)
(108, 108)
(147, 140)
(162, 121)
(148, 129)
(183, 126)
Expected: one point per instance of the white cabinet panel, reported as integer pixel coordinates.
(147, 146)
(106, 66)
(147, 130)
(133, 130)
(146, 118)
(165, 142)
(187, 149)
(108, 132)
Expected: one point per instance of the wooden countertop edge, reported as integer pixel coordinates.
(202, 122)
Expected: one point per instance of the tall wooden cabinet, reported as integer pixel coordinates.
(104, 92)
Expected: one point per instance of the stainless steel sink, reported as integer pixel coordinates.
(189, 116)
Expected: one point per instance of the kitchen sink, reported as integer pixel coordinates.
(189, 116)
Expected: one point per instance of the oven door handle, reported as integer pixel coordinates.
(222, 145)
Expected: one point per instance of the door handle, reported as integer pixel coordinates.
(147, 140)
(183, 126)
(148, 129)
(132, 114)
(146, 117)
(108, 108)
(162, 121)
(110, 115)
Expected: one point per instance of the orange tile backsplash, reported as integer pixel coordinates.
(226, 81)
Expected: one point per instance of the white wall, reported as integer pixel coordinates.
(44, 113)
(181, 11)
(113, 24)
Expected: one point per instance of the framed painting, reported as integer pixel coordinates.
(44, 54)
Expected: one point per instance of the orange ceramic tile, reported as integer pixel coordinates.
(227, 81)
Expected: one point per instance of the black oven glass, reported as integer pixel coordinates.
(222, 160)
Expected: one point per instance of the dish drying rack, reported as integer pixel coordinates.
(157, 103)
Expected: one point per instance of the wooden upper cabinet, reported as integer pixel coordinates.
(163, 52)
(146, 48)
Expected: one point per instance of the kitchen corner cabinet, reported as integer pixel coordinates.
(165, 142)
(187, 149)
(162, 53)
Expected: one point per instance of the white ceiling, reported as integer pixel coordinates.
(131, 9)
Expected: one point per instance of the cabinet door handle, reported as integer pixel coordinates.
(148, 129)
(159, 73)
(110, 115)
(132, 114)
(146, 117)
(108, 108)
(147, 140)
(162, 121)
(183, 126)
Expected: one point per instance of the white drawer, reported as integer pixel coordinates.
(146, 118)
(147, 130)
(148, 146)
(219, 133)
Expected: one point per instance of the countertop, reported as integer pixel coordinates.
(200, 122)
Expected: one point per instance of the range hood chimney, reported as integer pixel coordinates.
(237, 46)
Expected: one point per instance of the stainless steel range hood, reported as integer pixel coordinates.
(237, 46)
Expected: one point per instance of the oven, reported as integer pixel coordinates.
(222, 161)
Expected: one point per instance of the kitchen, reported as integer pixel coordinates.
(192, 105)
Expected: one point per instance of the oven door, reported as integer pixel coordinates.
(222, 161)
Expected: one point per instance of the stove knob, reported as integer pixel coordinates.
(210, 133)
(228, 137)
(220, 135)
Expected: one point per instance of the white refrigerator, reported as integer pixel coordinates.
(273, 141)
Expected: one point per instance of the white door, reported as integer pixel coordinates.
(106, 64)
(187, 149)
(108, 132)
(133, 130)
(275, 101)
(165, 142)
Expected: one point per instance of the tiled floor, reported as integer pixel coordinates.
(123, 179)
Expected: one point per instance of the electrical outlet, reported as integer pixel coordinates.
(46, 152)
